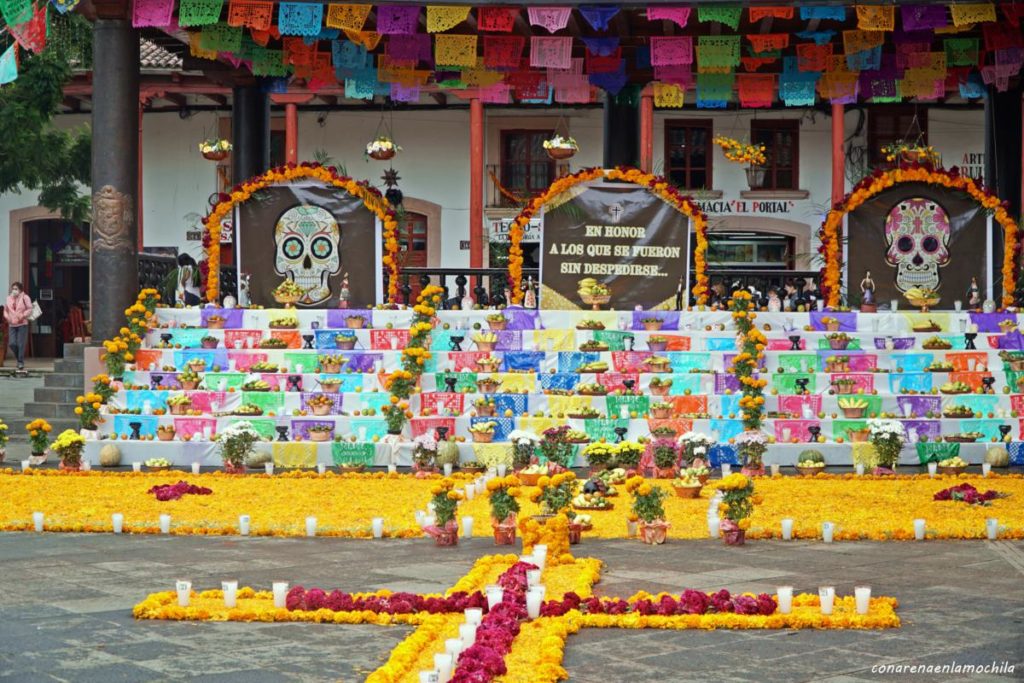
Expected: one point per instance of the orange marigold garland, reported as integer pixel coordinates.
(657, 184)
(881, 180)
(372, 199)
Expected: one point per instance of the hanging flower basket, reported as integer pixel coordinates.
(382, 148)
(215, 149)
(559, 148)
(755, 177)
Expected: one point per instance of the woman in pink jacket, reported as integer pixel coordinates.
(16, 312)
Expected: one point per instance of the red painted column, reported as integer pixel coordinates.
(291, 133)
(838, 155)
(476, 183)
(141, 244)
(647, 130)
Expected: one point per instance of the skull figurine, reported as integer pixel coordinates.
(307, 239)
(917, 232)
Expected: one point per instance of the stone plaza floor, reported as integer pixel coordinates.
(65, 608)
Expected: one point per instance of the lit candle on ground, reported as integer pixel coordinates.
(774, 468)
(419, 517)
(502, 469)
(429, 677)
(827, 530)
(471, 492)
(933, 468)
(184, 589)
(467, 634)
(444, 663)
(311, 526)
(165, 524)
(785, 595)
(447, 469)
(919, 529)
(136, 466)
(713, 526)
(787, 529)
(726, 469)
(268, 467)
(859, 467)
(37, 520)
(827, 595)
(474, 615)
(195, 468)
(992, 528)
(631, 529)
(862, 595)
(392, 468)
(454, 647)
(534, 599)
(494, 596)
(86, 466)
(467, 527)
(117, 519)
(25, 465)
(481, 485)
(230, 589)
(985, 469)
(280, 589)
(321, 469)
(533, 577)
(378, 527)
(243, 525)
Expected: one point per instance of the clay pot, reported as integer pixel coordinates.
(504, 534)
(329, 388)
(735, 537)
(189, 386)
(319, 436)
(485, 346)
(447, 536)
(209, 344)
(853, 413)
(653, 327)
(575, 533)
(657, 347)
(858, 435)
(660, 391)
(330, 368)
(230, 468)
(497, 325)
(355, 323)
(653, 533)
(480, 437)
(164, 435)
(215, 324)
(178, 409)
(688, 491)
(66, 467)
(346, 344)
(661, 413)
(752, 471)
(486, 411)
(321, 410)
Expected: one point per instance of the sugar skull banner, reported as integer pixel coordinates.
(317, 236)
(909, 236)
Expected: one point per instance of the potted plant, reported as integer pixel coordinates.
(838, 341)
(752, 155)
(39, 439)
(751, 446)
(652, 323)
(859, 435)
(659, 386)
(657, 343)
(888, 437)
(737, 505)
(853, 408)
(628, 455)
(524, 444)
(554, 493)
(485, 407)
(355, 322)
(209, 342)
(665, 454)
(320, 432)
(4, 438)
(485, 341)
(810, 462)
(116, 353)
(382, 148)
(237, 442)
(688, 485)
(320, 404)
(647, 506)
(503, 492)
(424, 452)
(560, 148)
(600, 455)
(179, 405)
(395, 415)
(694, 448)
(215, 149)
(331, 363)
(497, 321)
(165, 432)
(661, 410)
(556, 447)
(69, 446)
(444, 502)
(903, 152)
(483, 432)
(88, 410)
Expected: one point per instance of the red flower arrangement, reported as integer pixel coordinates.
(312, 599)
(176, 491)
(688, 602)
(968, 494)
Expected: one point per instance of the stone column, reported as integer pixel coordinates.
(115, 174)
(250, 132)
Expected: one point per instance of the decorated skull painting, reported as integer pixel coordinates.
(307, 240)
(917, 234)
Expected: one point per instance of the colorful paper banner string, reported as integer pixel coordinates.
(496, 19)
(550, 18)
(199, 12)
(269, 63)
(601, 46)
(503, 51)
(755, 90)
(551, 51)
(1013, 11)
(611, 82)
(922, 17)
(255, 14)
(9, 65)
(727, 14)
(766, 42)
(64, 6)
(717, 54)
(444, 17)
(965, 14)
(668, 95)
(876, 17)
(679, 15)
(604, 63)
(838, 86)
(598, 16)
(196, 50)
(455, 49)
(1000, 37)
(809, 12)
(858, 41)
(401, 93)
(819, 37)
(398, 19)
(813, 57)
(299, 18)
(31, 34)
(152, 12)
(714, 91)
(668, 51)
(351, 17)
(16, 12)
(865, 60)
(961, 51)
(368, 39)
(756, 14)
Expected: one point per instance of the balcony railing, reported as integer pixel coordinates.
(486, 286)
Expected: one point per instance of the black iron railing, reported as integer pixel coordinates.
(486, 286)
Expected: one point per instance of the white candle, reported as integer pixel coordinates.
(862, 594)
(933, 468)
(378, 527)
(533, 577)
(429, 677)
(454, 647)
(165, 524)
(774, 468)
(827, 529)
(894, 304)
(624, 412)
(117, 519)
(467, 527)
(280, 589)
(299, 368)
(184, 590)
(195, 468)
(860, 469)
(392, 468)
(827, 594)
(726, 469)
(787, 529)
(481, 485)
(527, 559)
(25, 465)
(985, 469)
(419, 517)
(443, 662)
(713, 525)
(919, 529)
(785, 595)
(540, 555)
(321, 468)
(86, 466)
(243, 525)
(37, 520)
(494, 596)
(447, 469)
(362, 433)
(957, 305)
(471, 492)
(534, 599)
(136, 466)
(311, 526)
(230, 589)
(631, 529)
(821, 304)
(467, 634)
(787, 433)
(268, 467)
(394, 343)
(502, 469)
(992, 528)
(474, 615)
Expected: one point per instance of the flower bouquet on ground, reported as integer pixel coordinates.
(503, 492)
(665, 455)
(395, 415)
(694, 447)
(424, 453)
(599, 455)
(628, 455)
(237, 443)
(751, 446)
(445, 501)
(554, 494)
(647, 506)
(556, 447)
(88, 410)
(68, 447)
(39, 439)
(524, 444)
(888, 437)
(736, 507)
(4, 438)
(966, 493)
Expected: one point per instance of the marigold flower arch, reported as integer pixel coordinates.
(371, 197)
(656, 184)
(831, 229)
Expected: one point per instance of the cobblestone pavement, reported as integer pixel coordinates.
(65, 610)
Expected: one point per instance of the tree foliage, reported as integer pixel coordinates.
(36, 155)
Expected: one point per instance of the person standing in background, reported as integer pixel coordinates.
(16, 313)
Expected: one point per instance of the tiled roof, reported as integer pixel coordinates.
(152, 56)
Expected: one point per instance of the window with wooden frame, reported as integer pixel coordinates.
(688, 153)
(526, 167)
(781, 140)
(887, 124)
